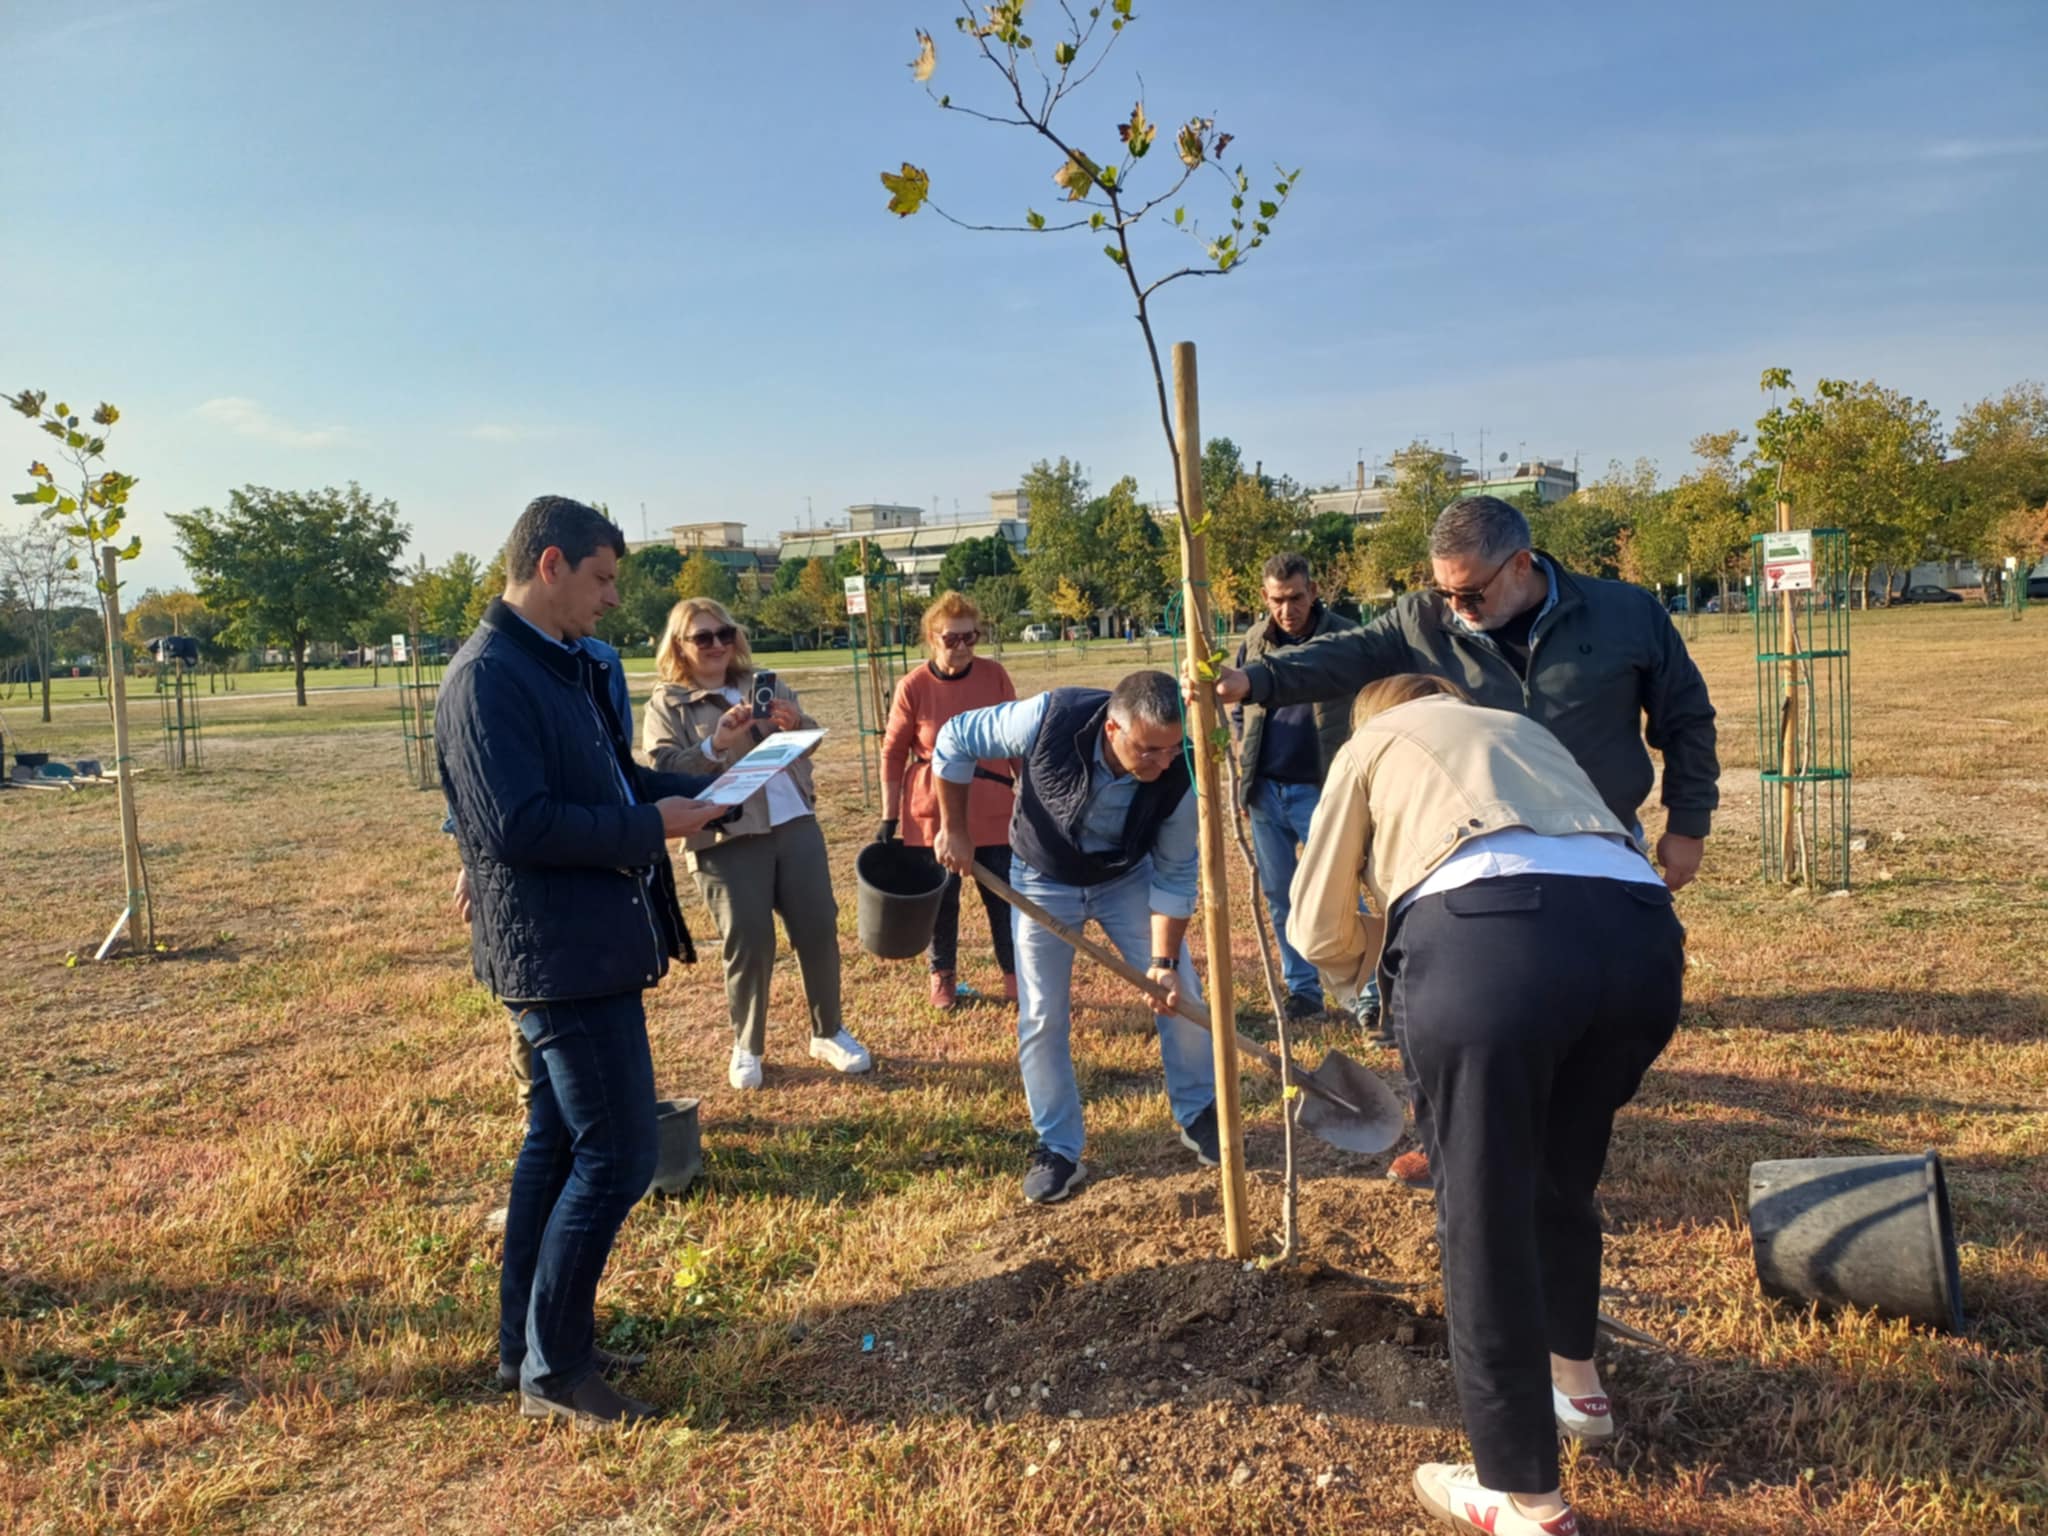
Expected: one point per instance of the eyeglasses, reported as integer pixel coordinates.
(1472, 597)
(705, 639)
(954, 640)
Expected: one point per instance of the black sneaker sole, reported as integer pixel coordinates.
(1073, 1182)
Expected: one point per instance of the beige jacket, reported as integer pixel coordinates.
(675, 736)
(1412, 786)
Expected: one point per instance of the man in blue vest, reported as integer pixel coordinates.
(1104, 828)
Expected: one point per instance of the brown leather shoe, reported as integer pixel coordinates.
(593, 1403)
(944, 993)
(1009, 986)
(1411, 1170)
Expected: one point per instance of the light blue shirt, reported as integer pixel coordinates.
(1008, 730)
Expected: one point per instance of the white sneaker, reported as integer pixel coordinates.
(1453, 1495)
(1588, 1420)
(745, 1070)
(842, 1053)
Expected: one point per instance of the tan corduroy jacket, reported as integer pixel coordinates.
(1412, 786)
(675, 735)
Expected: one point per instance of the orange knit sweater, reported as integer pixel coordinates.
(924, 702)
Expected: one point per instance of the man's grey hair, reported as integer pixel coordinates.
(1287, 565)
(1150, 697)
(1483, 527)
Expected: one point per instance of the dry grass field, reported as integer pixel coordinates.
(247, 1268)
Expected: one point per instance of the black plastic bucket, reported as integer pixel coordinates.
(1872, 1231)
(899, 893)
(680, 1160)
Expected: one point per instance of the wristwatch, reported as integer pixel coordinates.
(1162, 963)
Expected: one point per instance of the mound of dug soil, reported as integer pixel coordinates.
(1036, 1337)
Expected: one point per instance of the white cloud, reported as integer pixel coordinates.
(247, 418)
(1983, 149)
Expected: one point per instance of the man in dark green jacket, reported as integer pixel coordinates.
(1282, 756)
(1597, 661)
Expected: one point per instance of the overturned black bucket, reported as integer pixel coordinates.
(899, 893)
(1871, 1231)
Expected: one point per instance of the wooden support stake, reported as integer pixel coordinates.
(132, 910)
(1194, 555)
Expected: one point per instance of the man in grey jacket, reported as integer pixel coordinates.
(1597, 661)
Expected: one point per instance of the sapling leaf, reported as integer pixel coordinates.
(1034, 218)
(1113, 254)
(927, 58)
(907, 190)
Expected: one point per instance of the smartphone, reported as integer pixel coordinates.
(764, 693)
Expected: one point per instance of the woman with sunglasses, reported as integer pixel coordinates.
(771, 858)
(952, 682)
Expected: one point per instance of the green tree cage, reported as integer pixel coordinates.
(1801, 581)
(419, 690)
(875, 640)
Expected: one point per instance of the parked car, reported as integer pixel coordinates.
(2037, 589)
(1928, 593)
(1036, 633)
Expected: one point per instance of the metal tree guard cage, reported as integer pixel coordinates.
(419, 689)
(1802, 707)
(177, 695)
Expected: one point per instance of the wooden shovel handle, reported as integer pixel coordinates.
(1189, 1009)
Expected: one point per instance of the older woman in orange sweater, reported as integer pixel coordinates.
(951, 682)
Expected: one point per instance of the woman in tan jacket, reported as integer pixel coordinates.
(700, 719)
(1531, 963)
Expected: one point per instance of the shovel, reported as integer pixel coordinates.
(1347, 1106)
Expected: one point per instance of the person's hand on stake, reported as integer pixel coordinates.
(733, 727)
(1680, 858)
(682, 818)
(1231, 684)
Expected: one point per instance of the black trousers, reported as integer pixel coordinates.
(945, 950)
(1527, 1010)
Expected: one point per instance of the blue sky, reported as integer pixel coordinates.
(467, 252)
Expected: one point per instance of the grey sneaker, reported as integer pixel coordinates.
(594, 1403)
(1199, 1137)
(1051, 1177)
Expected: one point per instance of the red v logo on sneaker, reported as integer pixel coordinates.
(1566, 1524)
(1486, 1521)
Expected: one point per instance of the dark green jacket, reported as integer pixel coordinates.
(1606, 669)
(1333, 716)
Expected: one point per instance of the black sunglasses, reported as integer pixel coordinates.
(1472, 597)
(704, 639)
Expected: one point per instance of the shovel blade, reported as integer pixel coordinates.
(1379, 1119)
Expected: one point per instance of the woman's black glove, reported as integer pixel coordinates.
(887, 832)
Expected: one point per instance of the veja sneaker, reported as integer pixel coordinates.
(1588, 1420)
(1453, 1495)
(745, 1070)
(841, 1052)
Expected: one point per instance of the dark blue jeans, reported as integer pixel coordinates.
(589, 1155)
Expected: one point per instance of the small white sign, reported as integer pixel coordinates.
(398, 649)
(856, 594)
(1788, 561)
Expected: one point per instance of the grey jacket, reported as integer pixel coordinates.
(1606, 668)
(1333, 715)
